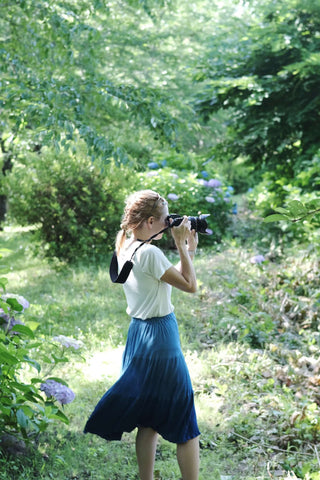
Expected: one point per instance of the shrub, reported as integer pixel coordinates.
(76, 205)
(187, 194)
(24, 411)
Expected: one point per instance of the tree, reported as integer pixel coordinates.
(269, 84)
(54, 85)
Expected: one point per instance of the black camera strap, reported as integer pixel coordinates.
(127, 267)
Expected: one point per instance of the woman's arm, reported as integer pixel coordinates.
(183, 276)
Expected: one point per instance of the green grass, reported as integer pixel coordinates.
(251, 341)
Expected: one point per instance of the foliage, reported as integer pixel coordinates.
(187, 194)
(296, 211)
(55, 88)
(267, 79)
(75, 204)
(24, 412)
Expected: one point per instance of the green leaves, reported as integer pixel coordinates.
(267, 85)
(296, 211)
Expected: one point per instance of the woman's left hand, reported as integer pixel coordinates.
(192, 240)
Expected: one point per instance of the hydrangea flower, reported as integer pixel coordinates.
(257, 259)
(210, 199)
(153, 165)
(205, 174)
(173, 197)
(214, 183)
(68, 342)
(7, 322)
(20, 299)
(203, 182)
(57, 390)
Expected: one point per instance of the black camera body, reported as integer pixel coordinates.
(199, 224)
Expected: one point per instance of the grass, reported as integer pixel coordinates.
(251, 340)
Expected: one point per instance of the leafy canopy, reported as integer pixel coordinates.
(268, 83)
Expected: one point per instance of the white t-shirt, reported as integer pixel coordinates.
(147, 296)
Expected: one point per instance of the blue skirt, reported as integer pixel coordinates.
(154, 389)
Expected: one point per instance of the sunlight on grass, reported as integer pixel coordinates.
(105, 365)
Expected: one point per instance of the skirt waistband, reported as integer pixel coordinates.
(170, 316)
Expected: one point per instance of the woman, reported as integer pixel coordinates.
(154, 392)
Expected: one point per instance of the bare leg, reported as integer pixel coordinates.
(146, 445)
(188, 459)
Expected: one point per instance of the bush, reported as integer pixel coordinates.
(187, 194)
(266, 198)
(24, 410)
(76, 205)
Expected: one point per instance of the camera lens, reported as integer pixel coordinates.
(199, 224)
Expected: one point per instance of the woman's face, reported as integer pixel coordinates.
(160, 223)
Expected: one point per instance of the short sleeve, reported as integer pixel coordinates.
(153, 262)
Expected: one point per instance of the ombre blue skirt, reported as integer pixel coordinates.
(154, 389)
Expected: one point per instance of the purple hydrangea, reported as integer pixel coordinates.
(257, 259)
(203, 182)
(7, 322)
(173, 196)
(60, 392)
(20, 299)
(210, 199)
(214, 183)
(68, 342)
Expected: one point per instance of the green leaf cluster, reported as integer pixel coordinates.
(266, 76)
(295, 211)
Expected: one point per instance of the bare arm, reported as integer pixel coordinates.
(183, 276)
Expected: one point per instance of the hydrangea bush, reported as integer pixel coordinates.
(30, 399)
(192, 193)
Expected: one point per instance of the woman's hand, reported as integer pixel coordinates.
(182, 232)
(192, 241)
(183, 276)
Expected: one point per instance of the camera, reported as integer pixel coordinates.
(199, 224)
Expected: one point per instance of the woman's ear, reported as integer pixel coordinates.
(150, 222)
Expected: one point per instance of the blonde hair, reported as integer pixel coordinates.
(139, 207)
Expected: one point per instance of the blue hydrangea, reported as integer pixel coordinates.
(153, 165)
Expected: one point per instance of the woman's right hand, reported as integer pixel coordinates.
(182, 232)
